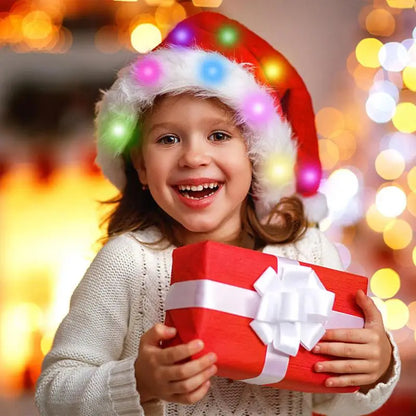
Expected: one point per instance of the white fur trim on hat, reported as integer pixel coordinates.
(180, 69)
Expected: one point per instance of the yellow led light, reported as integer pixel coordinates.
(401, 4)
(385, 283)
(367, 52)
(207, 3)
(404, 118)
(414, 255)
(278, 169)
(397, 314)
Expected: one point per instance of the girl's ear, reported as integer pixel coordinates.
(138, 163)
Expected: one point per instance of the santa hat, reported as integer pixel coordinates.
(211, 55)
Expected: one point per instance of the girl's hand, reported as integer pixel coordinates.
(159, 375)
(365, 354)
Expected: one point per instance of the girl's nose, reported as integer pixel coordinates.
(195, 154)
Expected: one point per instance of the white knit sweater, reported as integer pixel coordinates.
(90, 369)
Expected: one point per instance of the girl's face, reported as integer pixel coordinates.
(194, 160)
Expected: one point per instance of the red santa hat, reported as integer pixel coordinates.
(211, 55)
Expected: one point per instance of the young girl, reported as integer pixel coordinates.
(208, 137)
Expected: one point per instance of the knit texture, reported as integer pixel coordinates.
(90, 368)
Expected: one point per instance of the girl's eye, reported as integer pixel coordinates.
(219, 136)
(169, 139)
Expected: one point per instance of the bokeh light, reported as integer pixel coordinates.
(409, 77)
(380, 107)
(329, 122)
(411, 203)
(385, 86)
(393, 56)
(411, 179)
(390, 164)
(385, 283)
(404, 119)
(375, 220)
(207, 3)
(411, 323)
(145, 37)
(346, 143)
(106, 39)
(397, 314)
(381, 307)
(344, 254)
(414, 255)
(398, 234)
(328, 153)
(391, 201)
(380, 22)
(367, 52)
(402, 142)
(401, 4)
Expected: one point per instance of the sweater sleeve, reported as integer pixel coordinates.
(350, 404)
(84, 374)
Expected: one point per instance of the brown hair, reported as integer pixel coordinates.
(135, 209)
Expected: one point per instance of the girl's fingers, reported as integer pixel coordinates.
(191, 368)
(193, 397)
(156, 334)
(344, 367)
(351, 335)
(371, 314)
(191, 384)
(348, 380)
(181, 352)
(342, 349)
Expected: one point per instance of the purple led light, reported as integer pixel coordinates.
(181, 35)
(148, 71)
(258, 108)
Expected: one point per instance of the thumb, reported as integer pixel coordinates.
(157, 333)
(372, 315)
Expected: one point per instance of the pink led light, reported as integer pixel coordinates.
(308, 179)
(258, 108)
(148, 71)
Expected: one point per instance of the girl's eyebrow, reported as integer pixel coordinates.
(207, 120)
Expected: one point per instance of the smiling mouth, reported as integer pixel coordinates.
(198, 191)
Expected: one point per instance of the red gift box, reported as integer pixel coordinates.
(209, 273)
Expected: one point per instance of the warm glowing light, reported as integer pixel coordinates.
(364, 77)
(272, 70)
(145, 37)
(397, 314)
(381, 307)
(409, 77)
(212, 71)
(414, 255)
(404, 143)
(375, 220)
(390, 164)
(207, 3)
(398, 234)
(393, 56)
(411, 179)
(385, 283)
(328, 153)
(367, 52)
(411, 323)
(386, 87)
(391, 201)
(380, 107)
(36, 25)
(404, 118)
(278, 169)
(401, 4)
(329, 122)
(380, 22)
(167, 16)
(148, 71)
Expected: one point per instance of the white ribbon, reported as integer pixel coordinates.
(289, 308)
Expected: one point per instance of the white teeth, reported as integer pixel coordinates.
(194, 188)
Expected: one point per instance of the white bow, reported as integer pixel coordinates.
(294, 307)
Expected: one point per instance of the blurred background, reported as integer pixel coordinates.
(358, 59)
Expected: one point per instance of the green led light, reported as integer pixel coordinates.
(228, 35)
